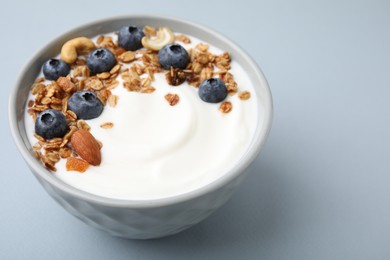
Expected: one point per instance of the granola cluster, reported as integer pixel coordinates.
(136, 69)
(203, 65)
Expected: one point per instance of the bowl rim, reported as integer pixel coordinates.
(39, 171)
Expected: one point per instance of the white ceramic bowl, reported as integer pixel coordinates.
(150, 218)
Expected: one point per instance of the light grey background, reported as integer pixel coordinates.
(321, 187)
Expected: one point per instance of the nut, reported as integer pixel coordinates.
(72, 48)
(149, 30)
(164, 36)
(86, 146)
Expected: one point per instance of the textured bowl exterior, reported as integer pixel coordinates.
(143, 223)
(149, 218)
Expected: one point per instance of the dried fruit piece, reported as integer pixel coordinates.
(76, 164)
(86, 146)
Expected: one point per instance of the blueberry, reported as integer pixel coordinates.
(173, 55)
(100, 60)
(51, 123)
(212, 90)
(53, 69)
(130, 37)
(85, 104)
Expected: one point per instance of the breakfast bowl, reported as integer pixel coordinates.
(151, 217)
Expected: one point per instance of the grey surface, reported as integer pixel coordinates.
(319, 190)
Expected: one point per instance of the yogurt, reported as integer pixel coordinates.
(155, 150)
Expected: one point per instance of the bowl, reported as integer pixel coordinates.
(142, 219)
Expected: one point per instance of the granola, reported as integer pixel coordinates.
(172, 99)
(136, 70)
(226, 107)
(107, 125)
(175, 76)
(244, 95)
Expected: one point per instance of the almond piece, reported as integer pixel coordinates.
(86, 146)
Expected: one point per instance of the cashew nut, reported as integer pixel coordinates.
(164, 37)
(72, 48)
